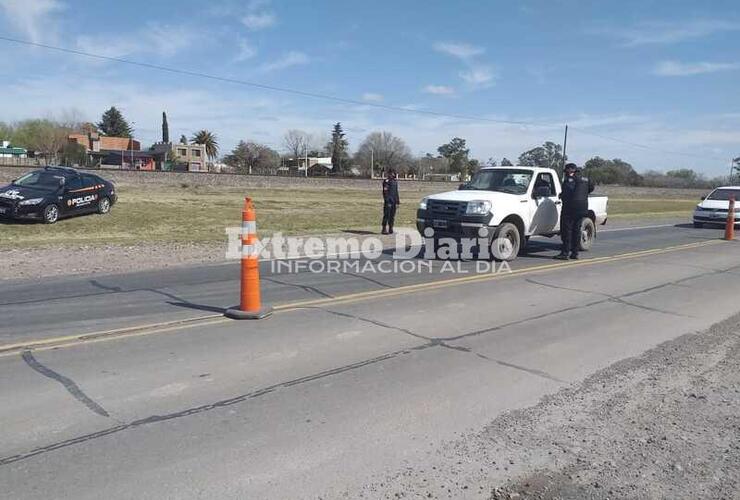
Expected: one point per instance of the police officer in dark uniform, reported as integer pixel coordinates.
(391, 201)
(576, 189)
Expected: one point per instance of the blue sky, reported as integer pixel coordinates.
(657, 73)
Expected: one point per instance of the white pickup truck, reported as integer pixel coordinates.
(506, 205)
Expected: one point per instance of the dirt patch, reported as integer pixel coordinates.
(662, 425)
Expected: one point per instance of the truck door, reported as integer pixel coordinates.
(546, 205)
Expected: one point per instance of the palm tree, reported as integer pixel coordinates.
(209, 140)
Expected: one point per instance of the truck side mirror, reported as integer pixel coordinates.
(462, 186)
(703, 198)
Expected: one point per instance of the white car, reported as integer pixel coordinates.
(713, 208)
(507, 203)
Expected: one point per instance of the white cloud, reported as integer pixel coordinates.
(439, 90)
(154, 39)
(676, 68)
(259, 21)
(246, 51)
(459, 50)
(661, 32)
(292, 58)
(32, 18)
(478, 76)
(372, 97)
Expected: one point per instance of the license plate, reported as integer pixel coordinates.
(439, 224)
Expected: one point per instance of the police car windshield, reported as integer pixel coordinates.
(514, 181)
(724, 194)
(40, 180)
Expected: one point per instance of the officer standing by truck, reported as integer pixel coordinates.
(576, 189)
(391, 201)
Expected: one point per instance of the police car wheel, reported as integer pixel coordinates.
(104, 205)
(51, 214)
(587, 232)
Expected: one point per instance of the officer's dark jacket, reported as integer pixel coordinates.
(390, 191)
(575, 193)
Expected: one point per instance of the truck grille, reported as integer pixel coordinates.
(440, 209)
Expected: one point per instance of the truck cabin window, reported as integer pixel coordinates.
(510, 181)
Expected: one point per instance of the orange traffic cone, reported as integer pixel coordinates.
(250, 306)
(730, 227)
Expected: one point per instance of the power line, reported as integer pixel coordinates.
(327, 97)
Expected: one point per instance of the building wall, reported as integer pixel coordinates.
(193, 155)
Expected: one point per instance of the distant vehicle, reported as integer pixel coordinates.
(51, 193)
(713, 208)
(512, 203)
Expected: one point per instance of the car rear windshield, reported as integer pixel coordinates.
(41, 180)
(724, 194)
(514, 181)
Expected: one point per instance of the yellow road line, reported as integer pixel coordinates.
(214, 319)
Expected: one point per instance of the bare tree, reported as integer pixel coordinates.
(385, 150)
(296, 142)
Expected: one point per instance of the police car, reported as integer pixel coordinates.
(51, 193)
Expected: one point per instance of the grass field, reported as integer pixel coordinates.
(190, 214)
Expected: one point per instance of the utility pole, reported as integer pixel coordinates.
(372, 161)
(306, 151)
(565, 147)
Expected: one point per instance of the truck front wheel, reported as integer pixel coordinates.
(506, 242)
(587, 230)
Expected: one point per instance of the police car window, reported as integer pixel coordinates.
(88, 181)
(74, 183)
(40, 180)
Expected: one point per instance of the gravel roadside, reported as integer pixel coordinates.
(662, 425)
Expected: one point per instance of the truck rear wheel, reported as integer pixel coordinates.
(587, 230)
(506, 242)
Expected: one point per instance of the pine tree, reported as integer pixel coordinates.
(338, 147)
(113, 124)
(165, 129)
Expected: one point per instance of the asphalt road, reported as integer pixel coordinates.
(325, 397)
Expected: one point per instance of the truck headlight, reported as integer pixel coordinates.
(423, 204)
(478, 207)
(32, 201)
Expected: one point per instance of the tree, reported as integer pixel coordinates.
(386, 150)
(685, 174)
(736, 166)
(337, 148)
(74, 154)
(113, 124)
(209, 140)
(505, 162)
(165, 129)
(251, 157)
(183, 139)
(615, 171)
(88, 128)
(296, 141)
(549, 155)
(45, 137)
(6, 132)
(457, 154)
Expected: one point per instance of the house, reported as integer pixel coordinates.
(94, 142)
(7, 151)
(190, 156)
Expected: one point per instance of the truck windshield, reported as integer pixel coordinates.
(512, 181)
(724, 194)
